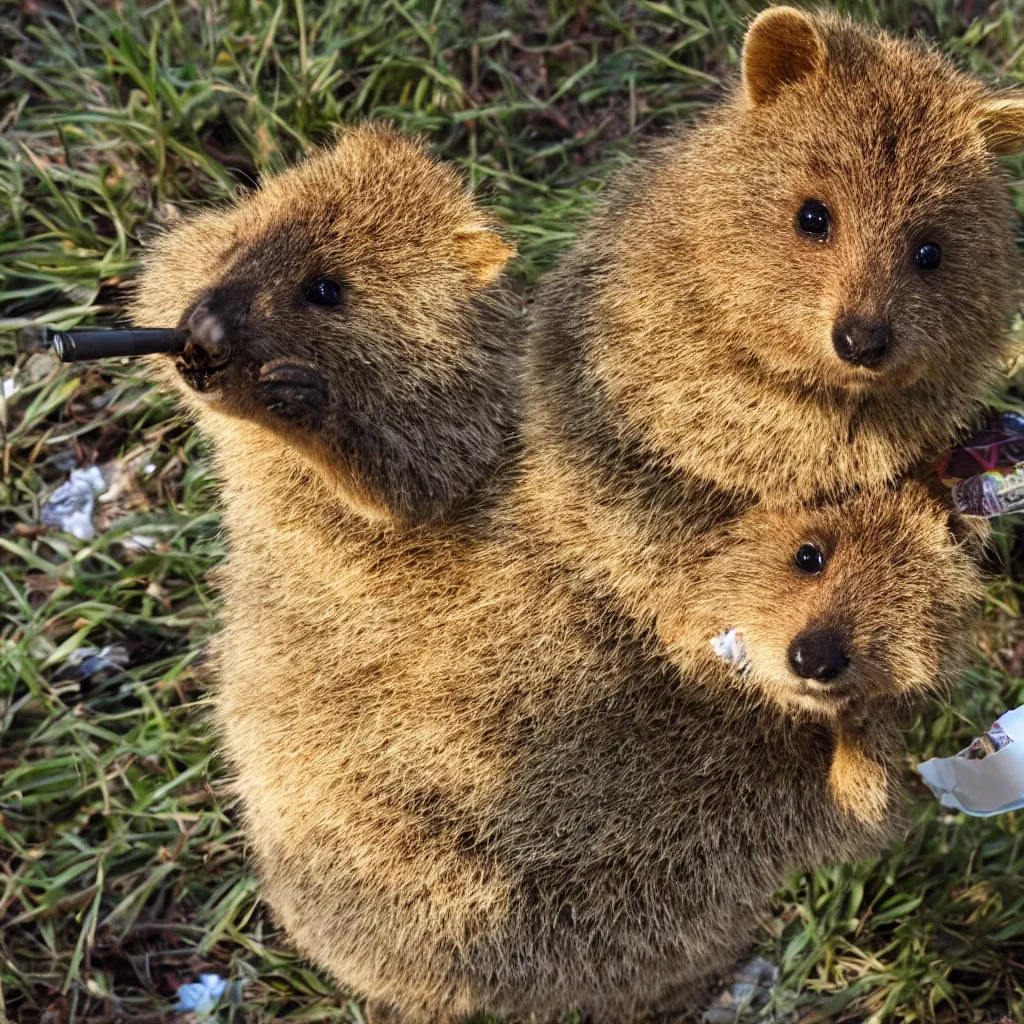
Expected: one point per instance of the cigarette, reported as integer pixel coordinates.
(75, 346)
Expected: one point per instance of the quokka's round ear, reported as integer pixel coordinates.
(483, 252)
(782, 47)
(1001, 119)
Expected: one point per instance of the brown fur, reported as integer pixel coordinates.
(470, 783)
(474, 776)
(858, 781)
(702, 319)
(892, 588)
(899, 587)
(406, 396)
(680, 366)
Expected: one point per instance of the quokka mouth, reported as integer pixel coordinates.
(200, 377)
(293, 391)
(833, 694)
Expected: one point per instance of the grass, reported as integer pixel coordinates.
(122, 870)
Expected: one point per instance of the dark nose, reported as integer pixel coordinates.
(861, 342)
(210, 335)
(817, 653)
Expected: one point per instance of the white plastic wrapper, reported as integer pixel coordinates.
(70, 507)
(729, 645)
(987, 777)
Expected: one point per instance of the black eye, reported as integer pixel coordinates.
(324, 293)
(928, 257)
(809, 559)
(813, 219)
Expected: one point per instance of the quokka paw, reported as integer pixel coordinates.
(858, 784)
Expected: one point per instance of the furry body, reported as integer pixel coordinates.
(486, 759)
(470, 784)
(704, 319)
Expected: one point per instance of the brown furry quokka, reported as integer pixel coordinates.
(354, 313)
(842, 614)
(472, 777)
(803, 296)
(807, 292)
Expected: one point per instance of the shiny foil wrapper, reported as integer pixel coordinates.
(986, 472)
(991, 494)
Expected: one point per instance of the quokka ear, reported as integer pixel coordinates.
(484, 253)
(782, 47)
(1001, 119)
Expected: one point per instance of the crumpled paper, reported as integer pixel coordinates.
(729, 645)
(986, 777)
(202, 996)
(749, 990)
(70, 507)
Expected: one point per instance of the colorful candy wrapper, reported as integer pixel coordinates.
(998, 445)
(987, 777)
(986, 472)
(991, 494)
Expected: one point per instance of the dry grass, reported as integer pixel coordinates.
(122, 872)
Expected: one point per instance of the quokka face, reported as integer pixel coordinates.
(859, 208)
(350, 303)
(847, 607)
(808, 292)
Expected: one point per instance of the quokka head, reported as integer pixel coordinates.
(859, 605)
(353, 304)
(858, 220)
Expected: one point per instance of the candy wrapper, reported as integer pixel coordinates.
(986, 472)
(991, 494)
(987, 777)
(998, 445)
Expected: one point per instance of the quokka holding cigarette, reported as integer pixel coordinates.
(488, 758)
